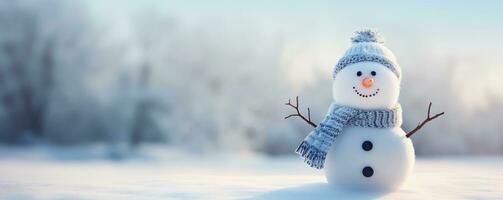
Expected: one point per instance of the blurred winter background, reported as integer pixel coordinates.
(208, 78)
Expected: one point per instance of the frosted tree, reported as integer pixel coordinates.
(29, 58)
(52, 56)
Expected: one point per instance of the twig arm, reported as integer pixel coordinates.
(428, 119)
(298, 114)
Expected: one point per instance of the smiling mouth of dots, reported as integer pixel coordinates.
(365, 95)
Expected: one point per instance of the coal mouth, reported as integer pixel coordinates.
(366, 95)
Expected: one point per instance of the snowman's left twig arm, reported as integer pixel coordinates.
(298, 114)
(428, 119)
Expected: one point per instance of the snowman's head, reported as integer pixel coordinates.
(368, 75)
(366, 85)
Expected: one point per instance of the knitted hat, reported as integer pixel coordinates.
(368, 46)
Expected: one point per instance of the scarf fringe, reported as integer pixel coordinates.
(312, 155)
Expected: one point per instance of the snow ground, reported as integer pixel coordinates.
(36, 174)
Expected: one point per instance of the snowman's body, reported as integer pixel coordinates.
(367, 79)
(370, 158)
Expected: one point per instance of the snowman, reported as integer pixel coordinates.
(360, 143)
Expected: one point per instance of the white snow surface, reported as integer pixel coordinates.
(69, 174)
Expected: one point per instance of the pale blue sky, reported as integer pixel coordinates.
(317, 32)
(467, 23)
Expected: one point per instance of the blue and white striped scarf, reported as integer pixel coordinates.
(315, 146)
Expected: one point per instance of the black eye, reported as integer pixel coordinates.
(373, 73)
(359, 73)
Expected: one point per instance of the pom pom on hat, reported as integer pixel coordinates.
(367, 35)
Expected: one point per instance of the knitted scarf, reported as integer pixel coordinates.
(315, 146)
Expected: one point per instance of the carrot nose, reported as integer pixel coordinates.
(367, 82)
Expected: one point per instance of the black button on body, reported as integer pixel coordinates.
(368, 171)
(367, 145)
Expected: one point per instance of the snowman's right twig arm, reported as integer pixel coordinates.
(298, 114)
(428, 119)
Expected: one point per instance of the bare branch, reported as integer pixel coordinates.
(298, 114)
(292, 115)
(428, 119)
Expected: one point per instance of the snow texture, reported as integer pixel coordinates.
(31, 175)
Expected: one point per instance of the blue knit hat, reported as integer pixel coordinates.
(368, 46)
